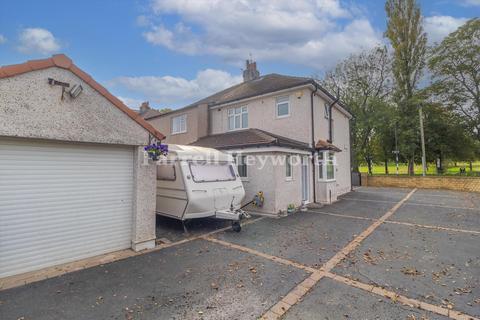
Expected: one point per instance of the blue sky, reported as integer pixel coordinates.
(172, 52)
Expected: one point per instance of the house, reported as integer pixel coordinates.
(290, 136)
(74, 182)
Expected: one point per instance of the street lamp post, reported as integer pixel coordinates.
(422, 136)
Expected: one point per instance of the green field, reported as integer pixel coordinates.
(450, 168)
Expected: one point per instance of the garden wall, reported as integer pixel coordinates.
(469, 184)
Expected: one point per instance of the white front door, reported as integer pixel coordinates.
(61, 202)
(305, 179)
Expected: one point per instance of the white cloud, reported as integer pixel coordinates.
(131, 102)
(37, 40)
(2, 39)
(167, 91)
(311, 32)
(470, 3)
(438, 27)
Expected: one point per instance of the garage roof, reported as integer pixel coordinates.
(64, 62)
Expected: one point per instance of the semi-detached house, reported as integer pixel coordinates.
(290, 136)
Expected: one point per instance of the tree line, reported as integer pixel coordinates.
(387, 86)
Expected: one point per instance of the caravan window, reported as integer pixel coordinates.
(166, 171)
(210, 172)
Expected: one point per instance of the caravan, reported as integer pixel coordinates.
(195, 182)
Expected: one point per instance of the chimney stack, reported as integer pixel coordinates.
(251, 72)
(144, 107)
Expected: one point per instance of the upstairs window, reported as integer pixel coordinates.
(237, 118)
(179, 124)
(283, 107)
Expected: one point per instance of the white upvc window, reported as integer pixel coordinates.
(237, 118)
(179, 124)
(241, 162)
(288, 168)
(326, 112)
(326, 166)
(283, 107)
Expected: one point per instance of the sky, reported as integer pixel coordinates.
(173, 52)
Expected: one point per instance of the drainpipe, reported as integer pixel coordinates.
(330, 118)
(313, 143)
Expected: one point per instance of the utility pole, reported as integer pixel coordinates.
(396, 152)
(422, 136)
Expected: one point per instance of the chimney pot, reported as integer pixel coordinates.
(144, 107)
(250, 72)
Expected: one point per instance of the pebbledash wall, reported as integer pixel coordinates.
(31, 108)
(469, 184)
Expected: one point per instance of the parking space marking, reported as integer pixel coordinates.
(438, 228)
(295, 295)
(58, 270)
(433, 227)
(279, 309)
(413, 204)
(260, 254)
(342, 215)
(453, 314)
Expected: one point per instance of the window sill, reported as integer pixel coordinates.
(182, 132)
(244, 179)
(289, 179)
(283, 117)
(325, 180)
(230, 130)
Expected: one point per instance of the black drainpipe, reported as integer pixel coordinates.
(330, 138)
(313, 144)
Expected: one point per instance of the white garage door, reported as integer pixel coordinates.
(62, 202)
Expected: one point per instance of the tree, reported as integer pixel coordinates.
(164, 110)
(362, 81)
(455, 66)
(446, 135)
(409, 42)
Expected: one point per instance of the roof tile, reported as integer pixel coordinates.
(62, 61)
(15, 69)
(40, 64)
(325, 145)
(248, 138)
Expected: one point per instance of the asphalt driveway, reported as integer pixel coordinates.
(378, 253)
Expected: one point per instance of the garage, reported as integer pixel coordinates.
(62, 202)
(74, 181)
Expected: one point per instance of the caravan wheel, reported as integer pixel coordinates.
(236, 226)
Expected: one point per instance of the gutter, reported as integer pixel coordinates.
(313, 144)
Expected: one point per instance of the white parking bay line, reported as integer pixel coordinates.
(281, 307)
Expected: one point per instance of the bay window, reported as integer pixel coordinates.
(326, 165)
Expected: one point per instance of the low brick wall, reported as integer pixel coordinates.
(470, 184)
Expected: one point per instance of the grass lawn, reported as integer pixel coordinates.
(450, 169)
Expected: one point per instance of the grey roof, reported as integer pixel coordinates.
(265, 84)
(248, 138)
(262, 85)
(149, 113)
